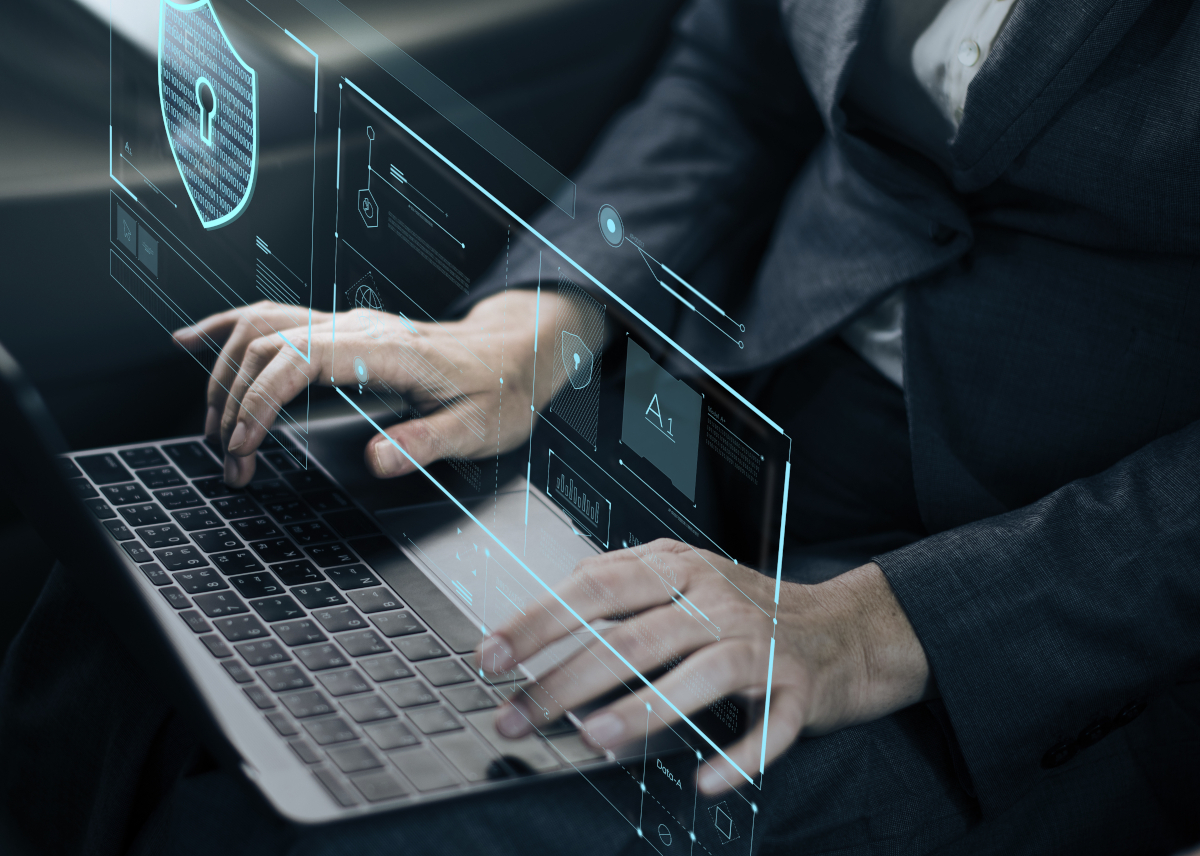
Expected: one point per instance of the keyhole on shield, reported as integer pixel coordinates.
(206, 98)
(576, 362)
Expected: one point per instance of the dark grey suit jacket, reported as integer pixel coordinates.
(1052, 333)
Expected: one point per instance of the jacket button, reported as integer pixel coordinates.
(1094, 733)
(1058, 755)
(1128, 713)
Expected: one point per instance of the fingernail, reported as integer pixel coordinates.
(495, 654)
(603, 728)
(237, 437)
(388, 460)
(235, 469)
(511, 723)
(212, 423)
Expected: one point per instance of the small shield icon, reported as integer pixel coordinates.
(209, 99)
(577, 360)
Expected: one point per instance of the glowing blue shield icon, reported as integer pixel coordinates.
(209, 103)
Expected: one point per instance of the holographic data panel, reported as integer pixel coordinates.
(626, 449)
(213, 148)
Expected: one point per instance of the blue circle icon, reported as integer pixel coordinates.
(611, 227)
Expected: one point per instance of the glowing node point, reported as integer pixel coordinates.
(754, 807)
(774, 620)
(611, 227)
(699, 757)
(692, 836)
(647, 706)
(642, 786)
(639, 832)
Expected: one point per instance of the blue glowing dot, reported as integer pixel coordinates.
(612, 227)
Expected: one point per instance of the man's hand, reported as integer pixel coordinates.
(845, 652)
(451, 372)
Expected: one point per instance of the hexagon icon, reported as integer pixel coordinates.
(577, 360)
(367, 208)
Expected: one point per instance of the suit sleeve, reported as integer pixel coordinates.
(705, 153)
(1049, 626)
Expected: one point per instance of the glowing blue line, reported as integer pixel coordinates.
(316, 65)
(338, 183)
(148, 181)
(787, 481)
(509, 599)
(543, 584)
(462, 590)
(570, 261)
(528, 472)
(762, 758)
(110, 172)
(416, 206)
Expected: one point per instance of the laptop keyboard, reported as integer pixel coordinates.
(269, 580)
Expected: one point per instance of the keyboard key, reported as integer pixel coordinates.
(256, 528)
(284, 678)
(424, 769)
(297, 573)
(104, 468)
(236, 562)
(270, 490)
(434, 720)
(195, 620)
(195, 519)
(299, 632)
(282, 461)
(410, 694)
(331, 555)
(389, 668)
(278, 609)
(354, 759)
(175, 597)
(214, 487)
(420, 647)
(262, 652)
(196, 582)
(370, 708)
(237, 671)
(379, 787)
(336, 620)
(155, 574)
(444, 672)
(318, 657)
(166, 535)
(214, 540)
(393, 624)
(179, 558)
(100, 508)
(235, 507)
(216, 646)
(305, 751)
(141, 457)
(118, 530)
(176, 498)
(261, 584)
(124, 494)
(82, 488)
(317, 595)
(467, 699)
(390, 735)
(67, 468)
(310, 533)
(192, 459)
(308, 703)
(326, 731)
(305, 480)
(157, 478)
(343, 795)
(283, 725)
(327, 500)
(260, 698)
(276, 550)
(290, 511)
(137, 552)
(375, 600)
(240, 627)
(344, 682)
(352, 577)
(220, 603)
(351, 523)
(363, 642)
(143, 515)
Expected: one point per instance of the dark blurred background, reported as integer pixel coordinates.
(552, 72)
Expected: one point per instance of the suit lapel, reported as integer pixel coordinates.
(1045, 52)
(824, 35)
